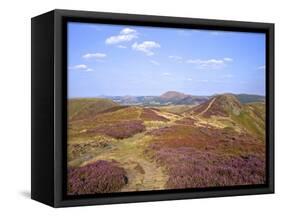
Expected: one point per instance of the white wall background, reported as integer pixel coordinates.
(15, 106)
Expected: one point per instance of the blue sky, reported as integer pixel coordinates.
(117, 60)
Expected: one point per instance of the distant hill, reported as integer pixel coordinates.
(193, 100)
(83, 108)
(171, 95)
(167, 98)
(177, 98)
(248, 98)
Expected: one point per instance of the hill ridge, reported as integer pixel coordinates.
(220, 105)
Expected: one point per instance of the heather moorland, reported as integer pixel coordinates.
(172, 141)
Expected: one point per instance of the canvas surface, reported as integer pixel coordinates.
(163, 108)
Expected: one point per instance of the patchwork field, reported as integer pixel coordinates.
(121, 148)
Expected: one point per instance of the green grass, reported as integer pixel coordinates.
(87, 107)
(252, 118)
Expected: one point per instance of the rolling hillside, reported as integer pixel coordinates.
(249, 116)
(221, 105)
(88, 107)
(219, 142)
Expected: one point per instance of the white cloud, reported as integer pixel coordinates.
(261, 67)
(126, 34)
(210, 63)
(166, 74)
(146, 47)
(127, 31)
(121, 46)
(189, 79)
(81, 67)
(119, 38)
(94, 55)
(154, 62)
(176, 58)
(227, 59)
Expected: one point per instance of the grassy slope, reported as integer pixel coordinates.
(163, 127)
(87, 107)
(143, 172)
(249, 117)
(252, 118)
(176, 109)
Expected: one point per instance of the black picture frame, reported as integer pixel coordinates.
(49, 106)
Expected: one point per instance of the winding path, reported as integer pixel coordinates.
(143, 173)
(206, 109)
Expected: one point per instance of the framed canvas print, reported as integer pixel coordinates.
(131, 108)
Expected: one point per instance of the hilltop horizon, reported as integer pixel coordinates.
(170, 91)
(175, 98)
